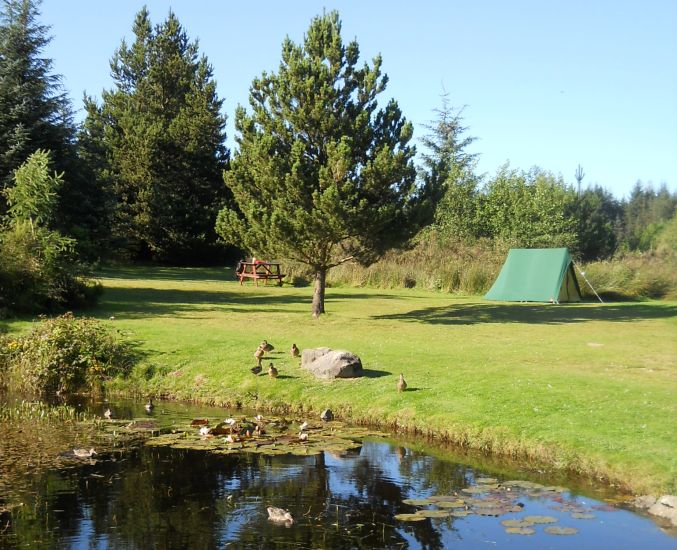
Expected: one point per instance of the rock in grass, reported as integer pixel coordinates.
(327, 364)
(327, 415)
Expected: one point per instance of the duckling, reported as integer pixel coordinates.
(108, 414)
(84, 453)
(401, 384)
(279, 515)
(259, 353)
(257, 369)
(272, 371)
(295, 351)
(265, 346)
(149, 406)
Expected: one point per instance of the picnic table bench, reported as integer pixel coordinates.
(259, 271)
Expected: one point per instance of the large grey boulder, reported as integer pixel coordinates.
(329, 364)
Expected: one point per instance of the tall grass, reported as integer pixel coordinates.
(432, 264)
(470, 269)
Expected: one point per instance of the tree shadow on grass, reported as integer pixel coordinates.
(140, 302)
(475, 313)
(155, 273)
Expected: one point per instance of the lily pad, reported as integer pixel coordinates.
(486, 480)
(474, 490)
(540, 519)
(582, 515)
(417, 501)
(451, 504)
(520, 530)
(434, 513)
(516, 523)
(558, 530)
(460, 513)
(410, 517)
(491, 512)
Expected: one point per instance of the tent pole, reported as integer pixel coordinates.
(586, 280)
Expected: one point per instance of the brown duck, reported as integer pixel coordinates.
(295, 351)
(272, 371)
(401, 384)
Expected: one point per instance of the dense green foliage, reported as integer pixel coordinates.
(39, 269)
(157, 143)
(322, 175)
(34, 110)
(64, 355)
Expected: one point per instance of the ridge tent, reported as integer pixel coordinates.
(536, 275)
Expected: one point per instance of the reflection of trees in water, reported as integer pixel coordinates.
(163, 498)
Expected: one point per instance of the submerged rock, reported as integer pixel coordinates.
(665, 507)
(329, 364)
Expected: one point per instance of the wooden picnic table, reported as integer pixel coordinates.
(264, 271)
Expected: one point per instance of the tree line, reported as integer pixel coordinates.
(322, 174)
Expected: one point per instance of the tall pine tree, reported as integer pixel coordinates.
(34, 110)
(322, 175)
(158, 140)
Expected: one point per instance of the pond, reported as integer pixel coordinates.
(371, 493)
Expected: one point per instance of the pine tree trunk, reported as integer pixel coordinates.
(318, 293)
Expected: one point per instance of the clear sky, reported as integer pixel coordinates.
(542, 82)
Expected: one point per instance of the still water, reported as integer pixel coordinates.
(160, 497)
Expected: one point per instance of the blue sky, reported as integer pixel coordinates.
(553, 84)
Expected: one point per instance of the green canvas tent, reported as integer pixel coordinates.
(536, 275)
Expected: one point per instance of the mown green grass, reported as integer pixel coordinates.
(588, 387)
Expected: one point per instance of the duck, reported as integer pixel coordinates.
(401, 383)
(295, 351)
(272, 371)
(327, 415)
(258, 354)
(84, 453)
(303, 436)
(265, 346)
(108, 414)
(303, 426)
(204, 430)
(279, 515)
(257, 369)
(149, 406)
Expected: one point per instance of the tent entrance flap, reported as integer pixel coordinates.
(536, 275)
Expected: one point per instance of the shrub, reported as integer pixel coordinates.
(64, 355)
(39, 272)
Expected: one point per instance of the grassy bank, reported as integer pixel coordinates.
(588, 388)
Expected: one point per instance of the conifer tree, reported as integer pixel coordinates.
(322, 175)
(158, 140)
(34, 110)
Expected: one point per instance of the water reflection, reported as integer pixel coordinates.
(167, 498)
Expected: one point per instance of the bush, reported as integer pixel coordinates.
(39, 273)
(64, 355)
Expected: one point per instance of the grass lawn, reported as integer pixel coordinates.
(585, 387)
